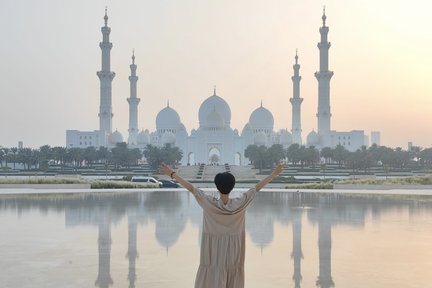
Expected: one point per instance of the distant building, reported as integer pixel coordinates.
(410, 146)
(84, 139)
(376, 138)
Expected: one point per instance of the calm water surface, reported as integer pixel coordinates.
(151, 239)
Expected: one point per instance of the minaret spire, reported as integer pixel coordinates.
(105, 78)
(296, 102)
(133, 104)
(323, 76)
(324, 17)
(106, 17)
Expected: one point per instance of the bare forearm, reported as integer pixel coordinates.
(264, 182)
(167, 170)
(279, 168)
(186, 184)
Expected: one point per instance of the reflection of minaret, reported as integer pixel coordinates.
(133, 104)
(323, 76)
(105, 77)
(132, 253)
(324, 245)
(296, 102)
(297, 253)
(104, 244)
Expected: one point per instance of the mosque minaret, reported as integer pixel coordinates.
(132, 253)
(105, 76)
(323, 76)
(133, 105)
(297, 254)
(296, 102)
(104, 279)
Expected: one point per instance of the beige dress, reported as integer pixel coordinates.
(223, 241)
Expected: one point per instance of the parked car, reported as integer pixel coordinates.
(147, 179)
(169, 184)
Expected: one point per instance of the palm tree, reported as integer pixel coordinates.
(14, 151)
(26, 157)
(275, 154)
(90, 155)
(6, 156)
(256, 154)
(103, 155)
(292, 153)
(76, 156)
(327, 154)
(340, 154)
(2, 157)
(59, 155)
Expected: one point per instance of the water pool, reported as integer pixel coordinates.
(151, 239)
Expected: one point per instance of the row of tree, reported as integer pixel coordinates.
(260, 156)
(361, 159)
(116, 157)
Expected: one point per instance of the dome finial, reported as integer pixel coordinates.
(214, 90)
(168, 103)
(133, 56)
(261, 103)
(106, 16)
(324, 17)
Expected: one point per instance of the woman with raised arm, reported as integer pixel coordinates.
(223, 234)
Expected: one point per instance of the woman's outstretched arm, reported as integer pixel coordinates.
(167, 170)
(279, 168)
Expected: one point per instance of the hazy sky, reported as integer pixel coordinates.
(380, 55)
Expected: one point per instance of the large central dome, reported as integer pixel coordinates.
(261, 118)
(167, 118)
(211, 104)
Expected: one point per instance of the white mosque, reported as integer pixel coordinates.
(215, 141)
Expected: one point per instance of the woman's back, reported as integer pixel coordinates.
(222, 241)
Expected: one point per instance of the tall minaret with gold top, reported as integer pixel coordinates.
(133, 104)
(296, 102)
(105, 76)
(323, 76)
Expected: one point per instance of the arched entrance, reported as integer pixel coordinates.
(191, 158)
(237, 159)
(214, 156)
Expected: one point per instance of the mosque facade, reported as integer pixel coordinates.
(214, 141)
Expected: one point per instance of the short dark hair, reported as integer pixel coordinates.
(224, 182)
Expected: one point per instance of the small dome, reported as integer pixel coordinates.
(285, 137)
(214, 103)
(116, 137)
(312, 138)
(167, 118)
(260, 139)
(168, 138)
(261, 118)
(214, 120)
(143, 137)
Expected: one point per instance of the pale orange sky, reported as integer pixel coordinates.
(380, 56)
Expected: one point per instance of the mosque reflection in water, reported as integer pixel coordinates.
(171, 211)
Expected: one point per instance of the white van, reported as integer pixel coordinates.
(147, 179)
